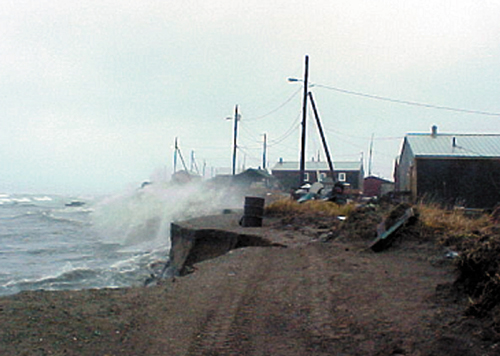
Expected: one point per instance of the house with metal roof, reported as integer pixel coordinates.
(452, 169)
(348, 172)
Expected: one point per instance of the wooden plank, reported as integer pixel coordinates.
(385, 237)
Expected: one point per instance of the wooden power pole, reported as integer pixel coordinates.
(323, 138)
(235, 138)
(264, 153)
(304, 116)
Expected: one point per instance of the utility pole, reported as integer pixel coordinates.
(235, 138)
(178, 152)
(193, 164)
(264, 153)
(175, 156)
(323, 138)
(370, 159)
(304, 116)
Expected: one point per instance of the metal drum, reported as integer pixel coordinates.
(253, 212)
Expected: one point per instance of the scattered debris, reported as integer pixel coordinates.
(386, 229)
(360, 223)
(451, 254)
(75, 204)
(306, 197)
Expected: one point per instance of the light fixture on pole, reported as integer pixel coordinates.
(304, 116)
(264, 152)
(235, 136)
(318, 122)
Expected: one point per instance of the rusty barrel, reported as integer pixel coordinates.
(253, 212)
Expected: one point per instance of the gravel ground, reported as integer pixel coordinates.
(309, 298)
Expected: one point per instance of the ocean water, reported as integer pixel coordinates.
(114, 241)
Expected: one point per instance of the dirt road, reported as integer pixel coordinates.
(310, 298)
(315, 299)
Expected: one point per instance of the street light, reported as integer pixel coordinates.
(320, 129)
(235, 136)
(300, 80)
(304, 115)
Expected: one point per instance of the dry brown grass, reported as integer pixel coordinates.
(290, 208)
(450, 222)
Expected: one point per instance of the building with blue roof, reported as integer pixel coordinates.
(350, 173)
(452, 169)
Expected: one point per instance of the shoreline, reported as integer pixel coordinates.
(310, 298)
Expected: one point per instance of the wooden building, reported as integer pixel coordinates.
(348, 172)
(461, 169)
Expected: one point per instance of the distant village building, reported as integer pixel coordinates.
(462, 169)
(254, 177)
(183, 177)
(348, 172)
(246, 179)
(377, 187)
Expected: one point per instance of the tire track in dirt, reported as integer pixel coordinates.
(327, 334)
(320, 296)
(263, 317)
(267, 312)
(217, 329)
(282, 316)
(312, 299)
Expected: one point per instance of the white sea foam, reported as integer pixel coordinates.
(145, 214)
(44, 198)
(114, 242)
(21, 200)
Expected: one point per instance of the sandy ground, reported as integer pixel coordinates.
(309, 298)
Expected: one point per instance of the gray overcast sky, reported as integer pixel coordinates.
(93, 93)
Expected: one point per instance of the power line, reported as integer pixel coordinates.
(277, 108)
(250, 135)
(246, 147)
(291, 130)
(406, 102)
(343, 134)
(248, 154)
(285, 136)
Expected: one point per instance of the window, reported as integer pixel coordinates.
(342, 177)
(322, 177)
(306, 177)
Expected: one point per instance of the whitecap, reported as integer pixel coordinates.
(21, 200)
(45, 198)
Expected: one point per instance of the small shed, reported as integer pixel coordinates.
(376, 187)
(452, 169)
